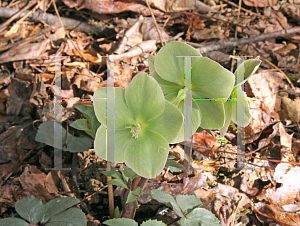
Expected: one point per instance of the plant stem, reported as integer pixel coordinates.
(110, 194)
(129, 208)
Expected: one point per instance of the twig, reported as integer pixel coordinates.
(154, 21)
(31, 38)
(74, 178)
(235, 34)
(68, 23)
(30, 12)
(273, 65)
(228, 44)
(17, 14)
(246, 10)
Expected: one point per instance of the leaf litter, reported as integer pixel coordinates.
(264, 192)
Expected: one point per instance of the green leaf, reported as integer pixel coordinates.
(118, 182)
(113, 173)
(121, 222)
(144, 98)
(122, 139)
(147, 154)
(89, 113)
(12, 221)
(131, 197)
(170, 67)
(78, 144)
(151, 60)
(167, 199)
(129, 173)
(81, 124)
(168, 124)
(57, 206)
(117, 212)
(153, 223)
(187, 202)
(70, 217)
(123, 117)
(46, 135)
(200, 216)
(30, 209)
(176, 165)
(138, 191)
(245, 70)
(196, 118)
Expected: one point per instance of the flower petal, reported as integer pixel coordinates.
(167, 87)
(196, 118)
(228, 107)
(147, 154)
(212, 114)
(168, 123)
(123, 117)
(241, 108)
(211, 80)
(144, 98)
(169, 66)
(246, 69)
(122, 139)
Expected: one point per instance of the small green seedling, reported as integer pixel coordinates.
(57, 212)
(185, 206)
(121, 179)
(70, 142)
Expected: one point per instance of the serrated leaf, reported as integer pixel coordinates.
(45, 134)
(129, 173)
(131, 197)
(81, 124)
(118, 182)
(138, 191)
(12, 221)
(153, 223)
(30, 209)
(121, 222)
(167, 199)
(200, 216)
(57, 206)
(89, 113)
(70, 217)
(114, 174)
(187, 202)
(176, 165)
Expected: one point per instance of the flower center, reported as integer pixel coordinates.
(179, 98)
(135, 129)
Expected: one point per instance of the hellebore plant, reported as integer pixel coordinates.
(238, 111)
(211, 84)
(145, 124)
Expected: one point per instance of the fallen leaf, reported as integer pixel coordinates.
(260, 3)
